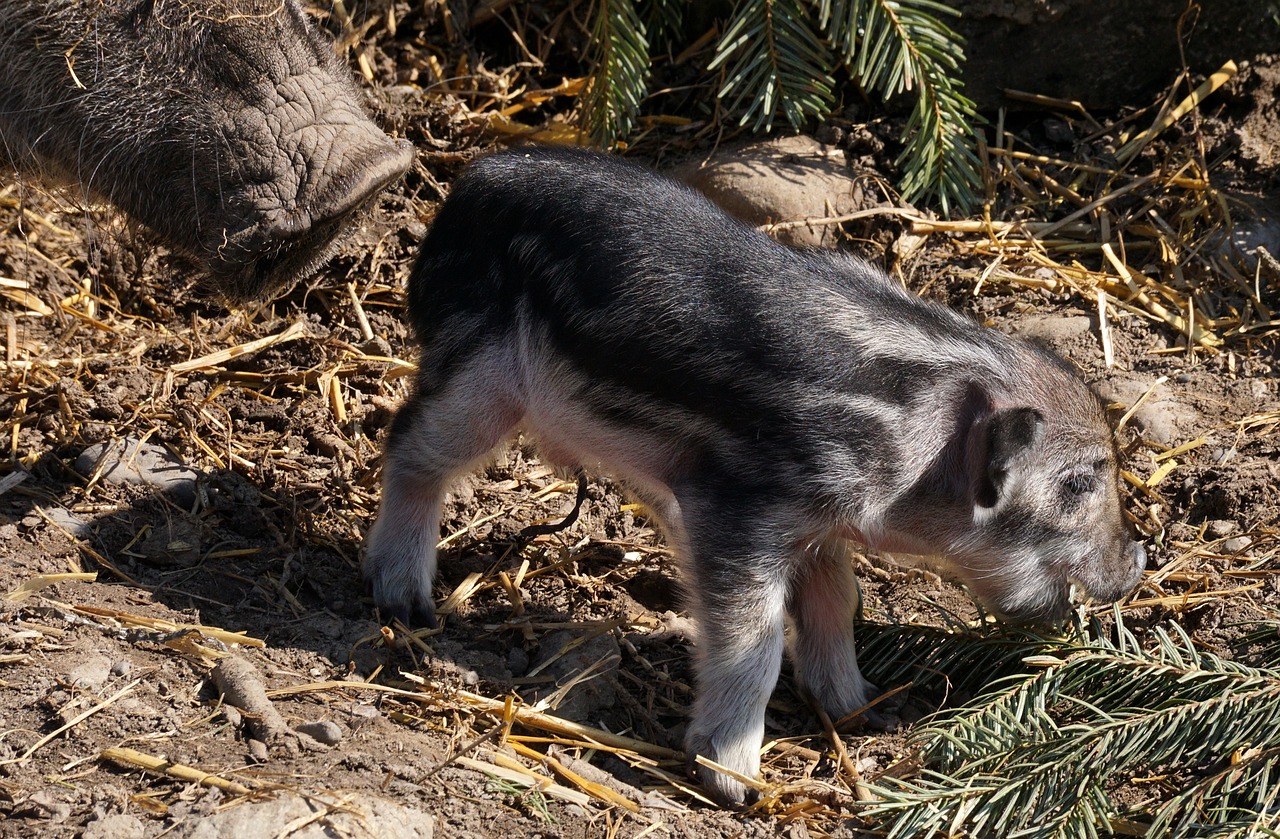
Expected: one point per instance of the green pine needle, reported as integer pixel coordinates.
(777, 65)
(1038, 754)
(619, 77)
(898, 46)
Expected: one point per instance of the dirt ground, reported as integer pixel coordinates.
(286, 440)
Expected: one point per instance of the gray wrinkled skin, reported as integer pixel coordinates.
(228, 127)
(768, 405)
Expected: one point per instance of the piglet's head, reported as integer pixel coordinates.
(1042, 491)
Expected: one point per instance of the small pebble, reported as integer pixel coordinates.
(1236, 544)
(66, 520)
(121, 667)
(323, 731)
(1219, 528)
(362, 714)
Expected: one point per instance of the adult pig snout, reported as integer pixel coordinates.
(368, 168)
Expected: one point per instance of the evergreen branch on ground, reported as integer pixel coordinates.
(1040, 753)
(776, 59)
(662, 20)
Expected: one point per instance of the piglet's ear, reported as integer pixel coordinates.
(1002, 439)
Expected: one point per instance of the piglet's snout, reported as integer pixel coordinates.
(1117, 585)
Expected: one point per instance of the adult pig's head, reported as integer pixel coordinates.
(228, 127)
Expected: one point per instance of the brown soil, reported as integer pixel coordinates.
(288, 441)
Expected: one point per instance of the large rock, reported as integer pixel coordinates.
(781, 180)
(351, 815)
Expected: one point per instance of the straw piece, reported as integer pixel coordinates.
(43, 581)
(1161, 473)
(1182, 449)
(161, 766)
(28, 301)
(361, 318)
(1181, 601)
(593, 789)
(547, 722)
(1131, 149)
(159, 625)
(1197, 333)
(511, 771)
(1108, 358)
(471, 584)
(297, 330)
(860, 791)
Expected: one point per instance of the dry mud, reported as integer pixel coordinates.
(266, 542)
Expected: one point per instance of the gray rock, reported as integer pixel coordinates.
(1058, 331)
(1236, 544)
(258, 752)
(517, 661)
(58, 811)
(324, 731)
(786, 179)
(90, 673)
(68, 521)
(350, 815)
(1251, 235)
(130, 461)
(118, 826)
(363, 714)
(1162, 417)
(1219, 528)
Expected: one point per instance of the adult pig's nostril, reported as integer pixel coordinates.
(363, 176)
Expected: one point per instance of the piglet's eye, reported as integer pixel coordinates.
(1079, 483)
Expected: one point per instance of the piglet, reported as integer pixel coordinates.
(768, 405)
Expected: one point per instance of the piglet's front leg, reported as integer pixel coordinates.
(823, 602)
(738, 594)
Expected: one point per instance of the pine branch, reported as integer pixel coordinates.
(619, 76)
(940, 661)
(662, 19)
(1036, 755)
(779, 64)
(1241, 799)
(894, 47)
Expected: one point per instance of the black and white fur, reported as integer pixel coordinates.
(767, 404)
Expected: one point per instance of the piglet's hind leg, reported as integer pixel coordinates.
(435, 438)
